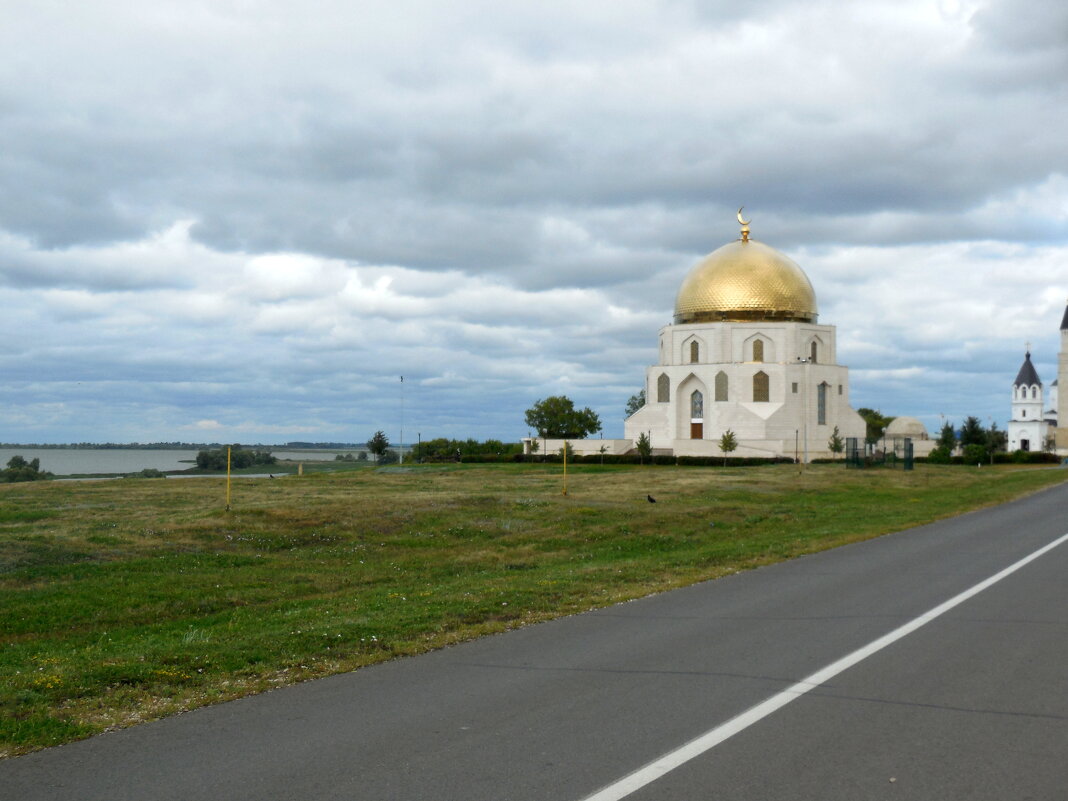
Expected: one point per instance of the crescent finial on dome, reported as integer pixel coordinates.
(745, 225)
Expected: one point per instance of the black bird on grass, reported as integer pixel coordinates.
(650, 498)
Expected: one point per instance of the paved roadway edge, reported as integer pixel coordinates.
(673, 759)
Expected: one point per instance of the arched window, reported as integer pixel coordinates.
(821, 404)
(812, 353)
(663, 389)
(695, 351)
(761, 388)
(1034, 392)
(697, 405)
(721, 386)
(758, 350)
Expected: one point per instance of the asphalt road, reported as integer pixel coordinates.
(973, 705)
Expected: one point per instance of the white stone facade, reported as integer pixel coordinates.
(1028, 428)
(775, 385)
(1061, 422)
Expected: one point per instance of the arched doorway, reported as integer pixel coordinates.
(697, 415)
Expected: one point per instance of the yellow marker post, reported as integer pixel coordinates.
(227, 478)
(565, 467)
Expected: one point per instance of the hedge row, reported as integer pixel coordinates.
(1016, 457)
(1019, 457)
(608, 458)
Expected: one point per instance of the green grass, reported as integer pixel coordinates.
(128, 600)
(282, 467)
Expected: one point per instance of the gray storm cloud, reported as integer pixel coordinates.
(260, 217)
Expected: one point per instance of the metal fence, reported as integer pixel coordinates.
(860, 454)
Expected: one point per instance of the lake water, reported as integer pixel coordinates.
(69, 461)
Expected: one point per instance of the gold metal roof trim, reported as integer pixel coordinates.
(743, 281)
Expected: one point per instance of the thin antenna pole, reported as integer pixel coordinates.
(227, 478)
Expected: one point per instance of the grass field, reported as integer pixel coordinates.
(128, 600)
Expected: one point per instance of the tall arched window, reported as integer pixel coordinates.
(697, 405)
(812, 353)
(758, 350)
(721, 386)
(1034, 392)
(695, 351)
(821, 404)
(761, 388)
(663, 389)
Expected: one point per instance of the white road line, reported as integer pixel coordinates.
(713, 737)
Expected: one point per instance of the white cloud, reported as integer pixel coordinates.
(252, 215)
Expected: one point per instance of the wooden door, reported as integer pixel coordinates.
(697, 430)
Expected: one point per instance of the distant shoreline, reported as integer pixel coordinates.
(178, 446)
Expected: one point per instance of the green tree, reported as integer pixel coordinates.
(557, 417)
(972, 433)
(239, 458)
(377, 444)
(636, 402)
(18, 469)
(836, 444)
(728, 443)
(947, 437)
(996, 439)
(876, 422)
(644, 446)
(974, 453)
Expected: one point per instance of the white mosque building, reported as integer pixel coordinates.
(745, 354)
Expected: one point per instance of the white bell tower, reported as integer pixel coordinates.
(1062, 389)
(1027, 429)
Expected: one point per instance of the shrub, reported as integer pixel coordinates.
(239, 457)
(18, 469)
(939, 455)
(974, 454)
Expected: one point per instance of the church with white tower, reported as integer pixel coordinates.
(1030, 426)
(1060, 401)
(1038, 417)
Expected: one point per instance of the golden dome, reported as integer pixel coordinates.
(745, 280)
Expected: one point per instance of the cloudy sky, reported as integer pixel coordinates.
(235, 220)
